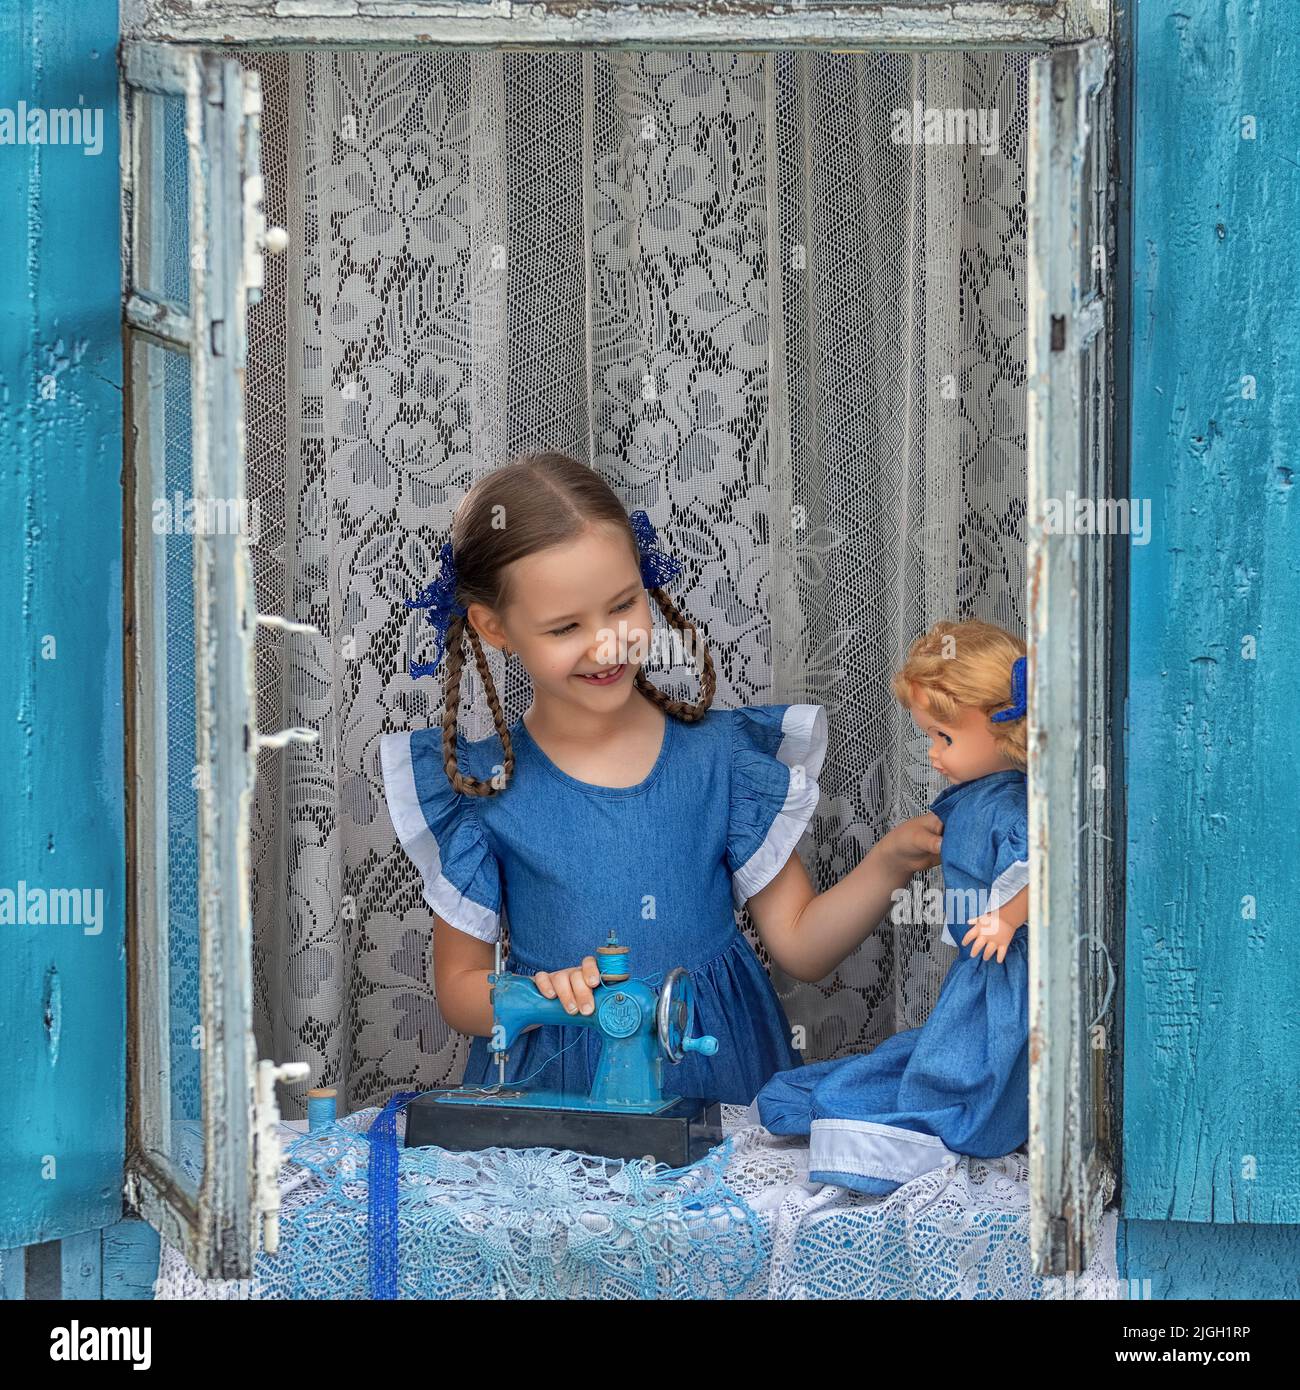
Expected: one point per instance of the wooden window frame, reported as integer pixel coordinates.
(1070, 1160)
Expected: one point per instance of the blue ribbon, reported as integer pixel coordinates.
(439, 597)
(381, 1196)
(1019, 707)
(657, 569)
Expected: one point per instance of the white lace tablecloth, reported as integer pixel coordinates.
(961, 1231)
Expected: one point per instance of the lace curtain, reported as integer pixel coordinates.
(796, 341)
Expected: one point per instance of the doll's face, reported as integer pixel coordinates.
(575, 610)
(962, 748)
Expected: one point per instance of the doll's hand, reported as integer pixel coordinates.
(571, 987)
(990, 933)
(914, 845)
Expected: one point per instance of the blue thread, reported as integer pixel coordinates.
(1019, 706)
(496, 1085)
(320, 1112)
(615, 962)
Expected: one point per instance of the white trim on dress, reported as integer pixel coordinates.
(1008, 883)
(1005, 887)
(421, 845)
(803, 744)
(871, 1150)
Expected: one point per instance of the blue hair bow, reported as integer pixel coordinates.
(657, 569)
(439, 599)
(1018, 708)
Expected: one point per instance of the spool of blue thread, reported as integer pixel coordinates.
(320, 1107)
(612, 960)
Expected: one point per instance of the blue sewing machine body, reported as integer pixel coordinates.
(624, 1115)
(639, 1026)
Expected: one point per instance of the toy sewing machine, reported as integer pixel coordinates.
(626, 1113)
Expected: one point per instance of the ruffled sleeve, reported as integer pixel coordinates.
(776, 753)
(1010, 853)
(440, 830)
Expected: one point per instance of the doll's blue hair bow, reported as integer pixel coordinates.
(1018, 706)
(439, 597)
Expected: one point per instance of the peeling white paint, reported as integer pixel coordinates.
(1069, 626)
(211, 1221)
(693, 23)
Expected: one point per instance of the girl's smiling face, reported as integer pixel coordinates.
(962, 748)
(575, 611)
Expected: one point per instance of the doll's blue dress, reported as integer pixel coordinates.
(662, 863)
(960, 1083)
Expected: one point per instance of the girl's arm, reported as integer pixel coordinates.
(809, 934)
(461, 965)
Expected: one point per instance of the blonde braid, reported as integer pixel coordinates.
(457, 630)
(688, 714)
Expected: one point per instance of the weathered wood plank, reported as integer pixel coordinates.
(1182, 1260)
(692, 23)
(62, 1029)
(1069, 619)
(81, 1268)
(1212, 1061)
(130, 1260)
(211, 1220)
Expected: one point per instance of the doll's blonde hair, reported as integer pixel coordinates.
(966, 665)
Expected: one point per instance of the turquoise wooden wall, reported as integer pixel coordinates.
(1211, 1051)
(62, 988)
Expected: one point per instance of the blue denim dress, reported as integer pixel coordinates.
(960, 1083)
(663, 864)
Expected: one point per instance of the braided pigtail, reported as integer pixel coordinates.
(688, 714)
(457, 630)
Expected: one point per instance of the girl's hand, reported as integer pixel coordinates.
(990, 933)
(914, 845)
(571, 987)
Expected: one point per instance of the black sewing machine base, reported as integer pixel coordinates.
(677, 1136)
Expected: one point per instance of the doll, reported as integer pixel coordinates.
(960, 1083)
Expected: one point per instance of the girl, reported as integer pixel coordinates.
(960, 1083)
(610, 805)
